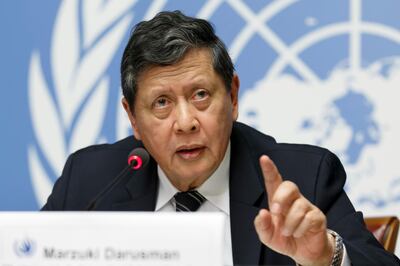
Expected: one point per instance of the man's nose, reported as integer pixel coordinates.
(186, 121)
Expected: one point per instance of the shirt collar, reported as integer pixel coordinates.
(215, 189)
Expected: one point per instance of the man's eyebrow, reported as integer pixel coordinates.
(201, 80)
(159, 90)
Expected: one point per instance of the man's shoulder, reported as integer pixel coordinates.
(100, 162)
(265, 143)
(119, 148)
(302, 164)
(89, 170)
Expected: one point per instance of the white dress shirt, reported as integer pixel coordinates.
(216, 190)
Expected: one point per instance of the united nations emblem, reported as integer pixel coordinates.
(318, 72)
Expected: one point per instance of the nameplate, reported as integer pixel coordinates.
(111, 238)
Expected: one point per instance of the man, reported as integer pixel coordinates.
(285, 202)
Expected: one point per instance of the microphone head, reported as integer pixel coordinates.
(138, 158)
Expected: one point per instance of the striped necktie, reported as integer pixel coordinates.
(188, 201)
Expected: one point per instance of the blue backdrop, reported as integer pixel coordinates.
(329, 69)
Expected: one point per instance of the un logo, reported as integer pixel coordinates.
(329, 87)
(24, 248)
(318, 72)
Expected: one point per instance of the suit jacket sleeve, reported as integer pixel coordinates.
(362, 247)
(58, 196)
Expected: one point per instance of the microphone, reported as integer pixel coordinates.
(137, 159)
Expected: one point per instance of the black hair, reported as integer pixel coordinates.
(164, 40)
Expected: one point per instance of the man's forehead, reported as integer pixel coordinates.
(193, 65)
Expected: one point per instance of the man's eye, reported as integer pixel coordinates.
(160, 103)
(200, 94)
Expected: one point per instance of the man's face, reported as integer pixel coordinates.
(183, 114)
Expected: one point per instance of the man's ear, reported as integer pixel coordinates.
(131, 117)
(235, 96)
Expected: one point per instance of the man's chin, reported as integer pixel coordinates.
(190, 180)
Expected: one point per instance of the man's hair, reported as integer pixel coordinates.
(164, 40)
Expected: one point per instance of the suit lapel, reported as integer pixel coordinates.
(142, 189)
(246, 193)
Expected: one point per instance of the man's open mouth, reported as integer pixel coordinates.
(190, 153)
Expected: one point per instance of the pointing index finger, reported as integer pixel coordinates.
(272, 177)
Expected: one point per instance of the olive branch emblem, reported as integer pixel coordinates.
(68, 106)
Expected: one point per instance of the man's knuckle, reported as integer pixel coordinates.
(290, 186)
(299, 214)
(301, 205)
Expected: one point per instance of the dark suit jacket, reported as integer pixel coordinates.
(317, 172)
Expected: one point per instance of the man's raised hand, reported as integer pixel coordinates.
(293, 226)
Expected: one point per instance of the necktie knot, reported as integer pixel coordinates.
(188, 201)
